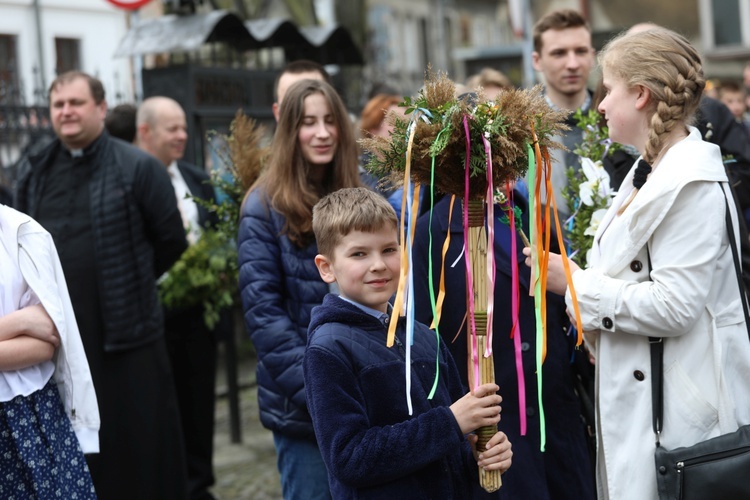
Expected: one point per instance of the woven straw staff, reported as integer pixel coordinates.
(489, 480)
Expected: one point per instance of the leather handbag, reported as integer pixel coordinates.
(715, 469)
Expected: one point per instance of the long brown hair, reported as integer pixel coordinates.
(286, 180)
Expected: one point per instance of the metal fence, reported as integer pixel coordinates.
(23, 129)
(26, 128)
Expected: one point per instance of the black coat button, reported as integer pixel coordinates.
(639, 376)
(636, 266)
(530, 411)
(525, 346)
(607, 323)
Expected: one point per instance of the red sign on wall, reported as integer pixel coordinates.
(129, 4)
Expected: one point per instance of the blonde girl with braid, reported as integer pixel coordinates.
(661, 267)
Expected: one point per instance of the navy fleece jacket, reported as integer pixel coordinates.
(356, 394)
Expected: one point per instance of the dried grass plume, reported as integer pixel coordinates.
(247, 149)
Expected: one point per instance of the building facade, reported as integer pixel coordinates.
(406, 36)
(40, 39)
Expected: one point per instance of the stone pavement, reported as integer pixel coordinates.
(246, 470)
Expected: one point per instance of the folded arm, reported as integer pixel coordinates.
(27, 337)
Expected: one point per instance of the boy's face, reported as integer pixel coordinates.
(366, 266)
(735, 101)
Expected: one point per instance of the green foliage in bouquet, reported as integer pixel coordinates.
(207, 273)
(589, 193)
(596, 143)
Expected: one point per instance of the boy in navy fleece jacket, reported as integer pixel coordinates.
(355, 385)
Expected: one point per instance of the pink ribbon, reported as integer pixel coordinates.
(467, 260)
(515, 332)
(491, 269)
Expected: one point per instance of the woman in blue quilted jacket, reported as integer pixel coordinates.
(313, 153)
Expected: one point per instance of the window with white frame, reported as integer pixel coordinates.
(67, 52)
(725, 26)
(9, 91)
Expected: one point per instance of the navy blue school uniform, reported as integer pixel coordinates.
(356, 395)
(564, 470)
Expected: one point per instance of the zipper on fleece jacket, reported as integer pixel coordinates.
(400, 346)
(396, 340)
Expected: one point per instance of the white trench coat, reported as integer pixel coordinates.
(692, 300)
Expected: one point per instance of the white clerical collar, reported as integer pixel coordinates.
(173, 168)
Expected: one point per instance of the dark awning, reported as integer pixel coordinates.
(273, 32)
(173, 34)
(327, 45)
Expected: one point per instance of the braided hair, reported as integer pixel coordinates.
(667, 65)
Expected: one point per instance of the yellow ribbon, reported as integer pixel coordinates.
(398, 304)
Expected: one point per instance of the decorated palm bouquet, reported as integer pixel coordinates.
(471, 147)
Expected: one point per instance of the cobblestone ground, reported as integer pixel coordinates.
(246, 470)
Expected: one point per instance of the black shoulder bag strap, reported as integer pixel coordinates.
(657, 343)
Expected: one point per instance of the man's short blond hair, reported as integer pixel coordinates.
(347, 210)
(489, 76)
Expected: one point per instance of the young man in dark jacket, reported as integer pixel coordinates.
(564, 55)
(116, 232)
(377, 439)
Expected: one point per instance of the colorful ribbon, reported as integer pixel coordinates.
(540, 258)
(541, 231)
(436, 305)
(404, 301)
(398, 303)
(491, 269)
(515, 299)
